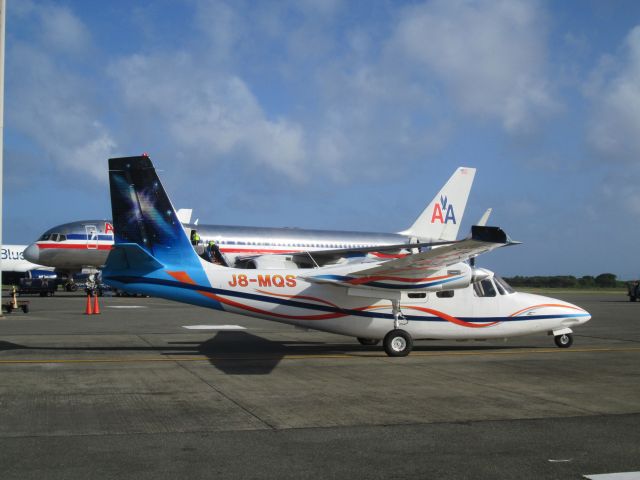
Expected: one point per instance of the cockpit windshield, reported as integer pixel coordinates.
(484, 288)
(44, 237)
(503, 285)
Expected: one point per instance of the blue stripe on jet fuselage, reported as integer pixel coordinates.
(324, 308)
(83, 236)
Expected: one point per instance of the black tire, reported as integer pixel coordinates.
(368, 342)
(563, 341)
(398, 343)
(25, 308)
(632, 299)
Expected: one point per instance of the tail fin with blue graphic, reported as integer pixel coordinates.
(147, 230)
(442, 217)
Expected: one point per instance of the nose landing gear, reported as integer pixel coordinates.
(563, 338)
(563, 341)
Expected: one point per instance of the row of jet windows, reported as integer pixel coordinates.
(53, 237)
(283, 244)
(58, 237)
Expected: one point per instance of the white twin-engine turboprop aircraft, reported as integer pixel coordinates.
(433, 294)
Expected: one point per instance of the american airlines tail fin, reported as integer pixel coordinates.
(143, 215)
(442, 217)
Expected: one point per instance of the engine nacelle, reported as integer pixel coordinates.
(480, 274)
(453, 277)
(48, 274)
(268, 262)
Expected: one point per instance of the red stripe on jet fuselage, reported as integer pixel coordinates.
(75, 246)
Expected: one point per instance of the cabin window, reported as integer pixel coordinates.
(417, 295)
(484, 288)
(445, 294)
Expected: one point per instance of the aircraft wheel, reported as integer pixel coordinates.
(563, 341)
(398, 343)
(25, 308)
(368, 341)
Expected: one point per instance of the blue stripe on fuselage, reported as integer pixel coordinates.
(322, 308)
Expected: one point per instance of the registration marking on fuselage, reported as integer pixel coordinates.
(213, 327)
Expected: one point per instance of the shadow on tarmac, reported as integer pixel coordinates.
(242, 353)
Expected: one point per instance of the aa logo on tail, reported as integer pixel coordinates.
(443, 212)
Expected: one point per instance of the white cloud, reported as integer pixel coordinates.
(489, 54)
(208, 114)
(53, 108)
(614, 130)
(62, 30)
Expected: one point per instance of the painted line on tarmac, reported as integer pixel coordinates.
(213, 327)
(239, 357)
(126, 306)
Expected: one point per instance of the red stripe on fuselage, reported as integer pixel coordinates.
(75, 246)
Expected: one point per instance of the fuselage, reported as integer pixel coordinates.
(76, 245)
(487, 309)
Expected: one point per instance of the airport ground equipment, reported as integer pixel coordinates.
(42, 286)
(13, 303)
(633, 290)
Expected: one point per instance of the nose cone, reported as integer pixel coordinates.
(572, 314)
(32, 253)
(567, 313)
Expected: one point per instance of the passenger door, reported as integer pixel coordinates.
(92, 237)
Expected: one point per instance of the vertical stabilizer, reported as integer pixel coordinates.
(442, 217)
(144, 215)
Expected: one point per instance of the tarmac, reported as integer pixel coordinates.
(131, 393)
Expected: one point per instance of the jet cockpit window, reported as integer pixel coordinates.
(484, 288)
(62, 238)
(54, 237)
(500, 282)
(45, 237)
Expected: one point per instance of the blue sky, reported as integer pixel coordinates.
(337, 115)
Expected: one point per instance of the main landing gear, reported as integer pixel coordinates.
(398, 343)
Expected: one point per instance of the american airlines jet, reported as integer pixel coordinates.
(79, 245)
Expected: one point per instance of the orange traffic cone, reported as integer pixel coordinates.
(88, 309)
(96, 305)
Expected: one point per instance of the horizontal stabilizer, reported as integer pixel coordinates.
(126, 256)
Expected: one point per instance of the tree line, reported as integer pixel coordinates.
(604, 280)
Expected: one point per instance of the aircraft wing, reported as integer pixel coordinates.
(413, 269)
(322, 257)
